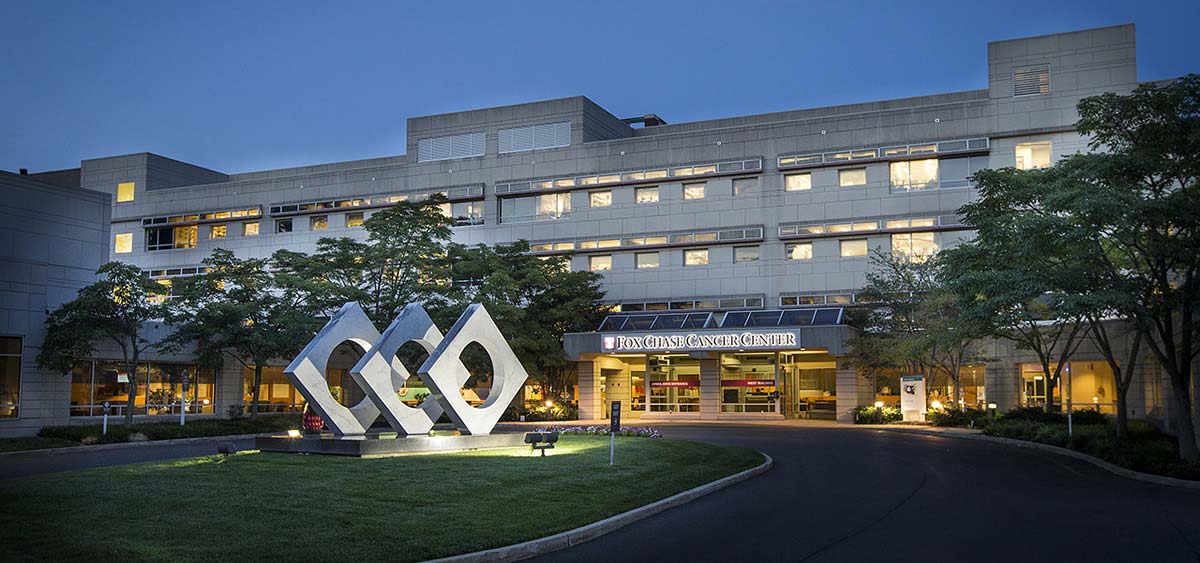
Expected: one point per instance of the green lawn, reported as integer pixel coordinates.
(276, 506)
(33, 443)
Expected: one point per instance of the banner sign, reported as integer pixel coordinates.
(912, 397)
(702, 341)
(747, 383)
(675, 383)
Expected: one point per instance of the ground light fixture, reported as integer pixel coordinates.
(879, 404)
(936, 405)
(293, 433)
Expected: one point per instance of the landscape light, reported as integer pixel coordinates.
(549, 404)
(992, 406)
(879, 404)
(937, 405)
(293, 433)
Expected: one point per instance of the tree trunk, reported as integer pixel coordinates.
(258, 369)
(1122, 409)
(1185, 432)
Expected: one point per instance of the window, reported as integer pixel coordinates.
(451, 146)
(167, 238)
(645, 260)
(915, 174)
(543, 136)
(532, 208)
(283, 226)
(600, 199)
(1033, 155)
(694, 191)
(745, 254)
(318, 222)
(916, 247)
(1031, 80)
(124, 192)
(854, 248)
(743, 186)
(697, 257)
(216, 231)
(852, 177)
(123, 243)
(798, 251)
(646, 195)
(600, 263)
(250, 229)
(10, 376)
(354, 219)
(797, 182)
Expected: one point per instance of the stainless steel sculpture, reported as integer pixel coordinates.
(379, 373)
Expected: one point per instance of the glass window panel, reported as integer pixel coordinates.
(798, 251)
(250, 229)
(839, 228)
(283, 226)
(655, 174)
(1033, 155)
(123, 243)
(705, 237)
(852, 177)
(646, 195)
(897, 224)
(697, 257)
(704, 170)
(656, 306)
(599, 263)
(853, 248)
(608, 243)
(743, 186)
(745, 254)
(797, 182)
(125, 192)
(655, 240)
(923, 173)
(924, 222)
(922, 149)
(564, 183)
(866, 226)
(318, 222)
(217, 231)
(861, 154)
(600, 199)
(608, 178)
(564, 246)
(693, 191)
(647, 260)
(837, 156)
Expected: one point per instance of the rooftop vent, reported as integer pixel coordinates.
(1031, 80)
(648, 120)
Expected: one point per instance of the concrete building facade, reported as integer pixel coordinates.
(768, 212)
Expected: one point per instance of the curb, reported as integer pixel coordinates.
(124, 445)
(1111, 468)
(563, 540)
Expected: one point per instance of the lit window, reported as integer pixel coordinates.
(318, 222)
(745, 254)
(694, 191)
(10, 375)
(917, 247)
(797, 182)
(915, 174)
(743, 186)
(124, 192)
(599, 263)
(354, 219)
(854, 248)
(646, 260)
(250, 229)
(1033, 155)
(123, 243)
(798, 251)
(216, 231)
(469, 212)
(646, 195)
(698, 257)
(852, 177)
(600, 199)
(167, 238)
(283, 226)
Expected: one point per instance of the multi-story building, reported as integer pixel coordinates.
(756, 220)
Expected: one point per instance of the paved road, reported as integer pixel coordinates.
(35, 463)
(847, 494)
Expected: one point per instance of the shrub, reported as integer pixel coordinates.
(870, 414)
(171, 430)
(633, 431)
(1034, 414)
(960, 418)
(1088, 416)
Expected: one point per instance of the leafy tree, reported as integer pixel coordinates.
(402, 260)
(115, 308)
(238, 310)
(534, 300)
(1143, 201)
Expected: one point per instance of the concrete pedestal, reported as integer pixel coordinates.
(375, 445)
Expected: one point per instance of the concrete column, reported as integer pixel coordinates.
(231, 387)
(853, 391)
(710, 388)
(589, 391)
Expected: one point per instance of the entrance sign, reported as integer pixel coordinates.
(748, 340)
(380, 374)
(912, 397)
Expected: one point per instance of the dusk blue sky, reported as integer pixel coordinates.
(241, 86)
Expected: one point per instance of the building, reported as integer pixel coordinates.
(764, 220)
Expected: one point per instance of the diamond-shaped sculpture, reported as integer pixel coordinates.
(443, 370)
(380, 373)
(307, 371)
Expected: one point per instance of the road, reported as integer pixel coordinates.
(21, 464)
(852, 494)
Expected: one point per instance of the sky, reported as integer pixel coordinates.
(240, 86)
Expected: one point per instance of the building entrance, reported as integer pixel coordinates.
(809, 388)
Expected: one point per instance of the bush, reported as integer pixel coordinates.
(634, 431)
(1034, 414)
(959, 418)
(869, 414)
(1088, 416)
(172, 430)
(560, 411)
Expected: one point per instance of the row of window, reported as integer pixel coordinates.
(732, 234)
(702, 303)
(914, 246)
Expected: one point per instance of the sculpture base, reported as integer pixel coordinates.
(383, 445)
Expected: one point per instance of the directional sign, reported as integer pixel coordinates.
(615, 417)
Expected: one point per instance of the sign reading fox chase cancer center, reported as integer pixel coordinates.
(701, 341)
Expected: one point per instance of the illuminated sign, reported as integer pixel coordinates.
(675, 383)
(695, 341)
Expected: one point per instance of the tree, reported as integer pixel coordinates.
(238, 310)
(1143, 200)
(401, 261)
(534, 300)
(1015, 278)
(115, 308)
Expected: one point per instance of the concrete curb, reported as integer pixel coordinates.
(594, 530)
(124, 445)
(1116, 469)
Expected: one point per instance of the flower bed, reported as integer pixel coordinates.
(634, 431)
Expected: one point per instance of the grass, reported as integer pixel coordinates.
(260, 506)
(33, 443)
